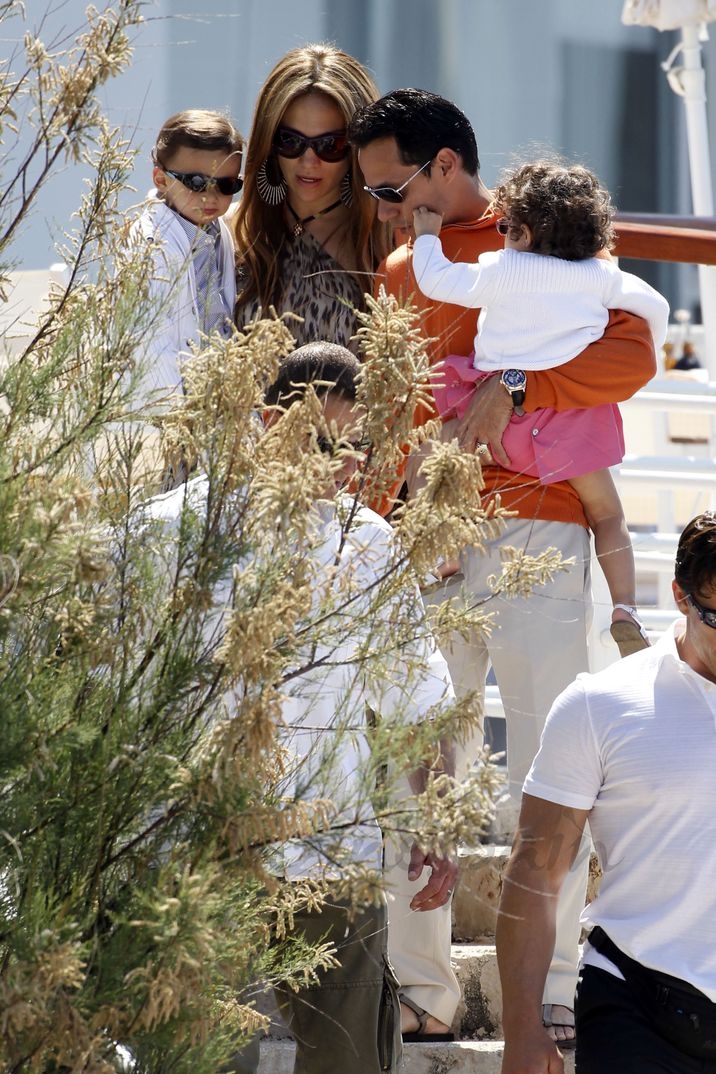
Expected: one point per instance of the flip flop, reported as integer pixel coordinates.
(548, 1023)
(629, 634)
(419, 1034)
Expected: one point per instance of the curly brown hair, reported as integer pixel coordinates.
(569, 213)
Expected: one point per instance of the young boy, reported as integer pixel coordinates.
(197, 158)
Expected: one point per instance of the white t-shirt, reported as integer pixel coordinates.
(356, 662)
(635, 745)
(539, 311)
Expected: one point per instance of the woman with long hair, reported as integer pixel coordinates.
(307, 235)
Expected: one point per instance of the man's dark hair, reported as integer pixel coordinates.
(328, 367)
(421, 122)
(696, 555)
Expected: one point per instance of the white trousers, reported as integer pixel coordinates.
(537, 647)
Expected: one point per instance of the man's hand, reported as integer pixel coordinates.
(533, 1052)
(440, 884)
(485, 420)
(426, 222)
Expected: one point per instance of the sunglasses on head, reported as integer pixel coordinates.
(198, 183)
(391, 193)
(706, 615)
(330, 147)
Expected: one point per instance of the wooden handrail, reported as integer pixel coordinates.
(702, 223)
(654, 237)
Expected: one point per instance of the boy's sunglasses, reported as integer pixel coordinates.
(198, 183)
(394, 194)
(706, 615)
(330, 147)
(503, 226)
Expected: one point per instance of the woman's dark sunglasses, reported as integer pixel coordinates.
(331, 146)
(198, 183)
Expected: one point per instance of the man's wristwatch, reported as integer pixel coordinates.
(515, 382)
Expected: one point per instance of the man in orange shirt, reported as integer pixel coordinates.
(417, 149)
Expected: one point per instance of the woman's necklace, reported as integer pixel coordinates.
(299, 226)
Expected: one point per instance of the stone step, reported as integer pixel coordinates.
(479, 1012)
(478, 1018)
(477, 895)
(477, 1026)
(461, 1057)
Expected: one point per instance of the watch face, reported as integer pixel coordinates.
(514, 379)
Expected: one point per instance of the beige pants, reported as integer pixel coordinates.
(538, 646)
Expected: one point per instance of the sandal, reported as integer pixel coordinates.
(629, 635)
(548, 1023)
(419, 1034)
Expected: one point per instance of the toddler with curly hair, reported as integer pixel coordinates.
(543, 299)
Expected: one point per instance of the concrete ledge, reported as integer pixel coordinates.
(462, 1057)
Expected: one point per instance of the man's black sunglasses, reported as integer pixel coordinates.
(706, 615)
(394, 194)
(331, 146)
(198, 183)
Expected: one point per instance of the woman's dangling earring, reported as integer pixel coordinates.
(271, 191)
(346, 188)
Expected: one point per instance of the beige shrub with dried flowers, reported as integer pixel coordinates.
(142, 768)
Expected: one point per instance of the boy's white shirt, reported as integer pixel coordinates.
(176, 322)
(325, 709)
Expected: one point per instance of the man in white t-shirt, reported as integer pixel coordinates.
(632, 750)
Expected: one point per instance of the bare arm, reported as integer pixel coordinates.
(443, 871)
(545, 846)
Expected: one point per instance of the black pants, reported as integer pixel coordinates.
(615, 1034)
